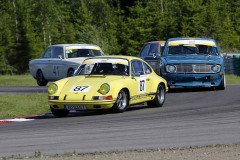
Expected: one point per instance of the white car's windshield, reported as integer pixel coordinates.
(105, 67)
(74, 53)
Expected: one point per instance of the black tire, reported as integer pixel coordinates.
(59, 112)
(70, 73)
(222, 85)
(122, 102)
(159, 99)
(41, 81)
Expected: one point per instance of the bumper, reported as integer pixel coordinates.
(194, 79)
(90, 105)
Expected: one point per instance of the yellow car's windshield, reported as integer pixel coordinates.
(104, 66)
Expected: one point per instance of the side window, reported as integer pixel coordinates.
(47, 53)
(147, 69)
(137, 67)
(57, 51)
(144, 51)
(154, 48)
(214, 51)
(96, 52)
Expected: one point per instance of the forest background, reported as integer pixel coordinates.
(119, 27)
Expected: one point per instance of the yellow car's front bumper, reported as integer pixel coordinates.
(89, 105)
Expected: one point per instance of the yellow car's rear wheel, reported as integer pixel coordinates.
(122, 102)
(159, 99)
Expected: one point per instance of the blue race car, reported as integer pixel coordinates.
(192, 62)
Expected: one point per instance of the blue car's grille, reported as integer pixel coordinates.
(194, 68)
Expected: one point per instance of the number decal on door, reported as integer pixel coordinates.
(142, 85)
(55, 71)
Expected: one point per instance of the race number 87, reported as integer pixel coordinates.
(80, 89)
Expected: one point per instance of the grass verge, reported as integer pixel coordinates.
(17, 80)
(232, 79)
(21, 105)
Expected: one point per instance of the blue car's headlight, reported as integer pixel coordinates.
(216, 68)
(52, 88)
(104, 88)
(171, 68)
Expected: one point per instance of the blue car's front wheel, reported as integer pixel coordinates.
(222, 85)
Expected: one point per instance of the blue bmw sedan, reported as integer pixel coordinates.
(192, 62)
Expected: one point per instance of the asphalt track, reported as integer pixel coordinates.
(189, 117)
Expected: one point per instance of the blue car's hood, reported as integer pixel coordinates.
(192, 59)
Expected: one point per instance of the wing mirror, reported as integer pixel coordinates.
(155, 55)
(60, 56)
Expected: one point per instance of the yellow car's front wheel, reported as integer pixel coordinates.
(122, 102)
(59, 112)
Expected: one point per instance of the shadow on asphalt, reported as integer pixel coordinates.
(190, 89)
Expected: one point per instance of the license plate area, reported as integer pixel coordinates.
(75, 107)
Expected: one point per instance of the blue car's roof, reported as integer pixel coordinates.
(170, 40)
(173, 39)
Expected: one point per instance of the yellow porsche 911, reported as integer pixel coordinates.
(113, 82)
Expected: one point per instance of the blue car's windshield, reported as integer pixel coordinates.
(187, 49)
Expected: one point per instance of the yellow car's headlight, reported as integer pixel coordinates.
(52, 88)
(104, 88)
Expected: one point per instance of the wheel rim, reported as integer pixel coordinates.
(121, 100)
(161, 94)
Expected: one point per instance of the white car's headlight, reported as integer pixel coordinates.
(171, 68)
(104, 88)
(216, 68)
(52, 88)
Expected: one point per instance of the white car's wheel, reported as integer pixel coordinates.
(122, 102)
(41, 81)
(70, 73)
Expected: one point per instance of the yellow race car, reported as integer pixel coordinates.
(107, 82)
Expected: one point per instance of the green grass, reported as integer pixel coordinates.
(17, 80)
(21, 105)
(232, 79)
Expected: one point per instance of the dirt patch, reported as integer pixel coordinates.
(218, 152)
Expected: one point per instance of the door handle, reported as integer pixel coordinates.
(148, 79)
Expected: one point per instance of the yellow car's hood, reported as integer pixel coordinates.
(70, 90)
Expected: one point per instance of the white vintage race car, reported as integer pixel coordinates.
(60, 61)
